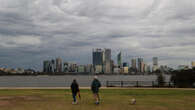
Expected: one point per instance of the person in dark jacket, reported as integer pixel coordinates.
(75, 91)
(95, 89)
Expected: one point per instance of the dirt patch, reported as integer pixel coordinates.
(4, 103)
(6, 98)
(32, 98)
(27, 98)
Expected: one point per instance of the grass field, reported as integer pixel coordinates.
(111, 99)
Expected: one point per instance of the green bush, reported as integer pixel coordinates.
(184, 78)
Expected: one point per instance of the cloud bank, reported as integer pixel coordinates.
(35, 30)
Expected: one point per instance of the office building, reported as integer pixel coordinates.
(47, 66)
(58, 65)
(155, 64)
(89, 68)
(98, 60)
(155, 68)
(125, 64)
(140, 65)
(119, 60)
(66, 67)
(107, 60)
(148, 69)
(125, 70)
(98, 69)
(145, 68)
(97, 57)
(116, 70)
(155, 61)
(133, 64)
(73, 67)
(53, 65)
(81, 68)
(193, 64)
(112, 65)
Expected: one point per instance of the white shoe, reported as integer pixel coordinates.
(74, 103)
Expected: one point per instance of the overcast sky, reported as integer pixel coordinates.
(35, 30)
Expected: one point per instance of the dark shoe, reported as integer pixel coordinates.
(97, 103)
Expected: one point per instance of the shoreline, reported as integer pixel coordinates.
(79, 74)
(53, 88)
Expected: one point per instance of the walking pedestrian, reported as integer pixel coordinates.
(75, 90)
(95, 89)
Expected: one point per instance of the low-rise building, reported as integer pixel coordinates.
(98, 69)
(193, 64)
(117, 70)
(81, 68)
(125, 70)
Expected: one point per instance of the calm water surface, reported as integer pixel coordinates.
(65, 80)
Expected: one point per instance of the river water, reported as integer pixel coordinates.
(65, 80)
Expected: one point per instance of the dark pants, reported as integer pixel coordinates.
(74, 96)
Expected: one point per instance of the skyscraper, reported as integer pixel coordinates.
(66, 67)
(58, 65)
(155, 61)
(119, 60)
(98, 59)
(133, 63)
(140, 64)
(125, 64)
(107, 60)
(53, 65)
(155, 64)
(47, 67)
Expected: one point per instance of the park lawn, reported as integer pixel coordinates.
(111, 99)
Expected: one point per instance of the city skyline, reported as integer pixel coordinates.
(103, 64)
(33, 31)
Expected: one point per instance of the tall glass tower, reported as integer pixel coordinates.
(119, 60)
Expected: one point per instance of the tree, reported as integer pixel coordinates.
(161, 79)
(183, 78)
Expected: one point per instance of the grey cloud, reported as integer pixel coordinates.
(71, 28)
